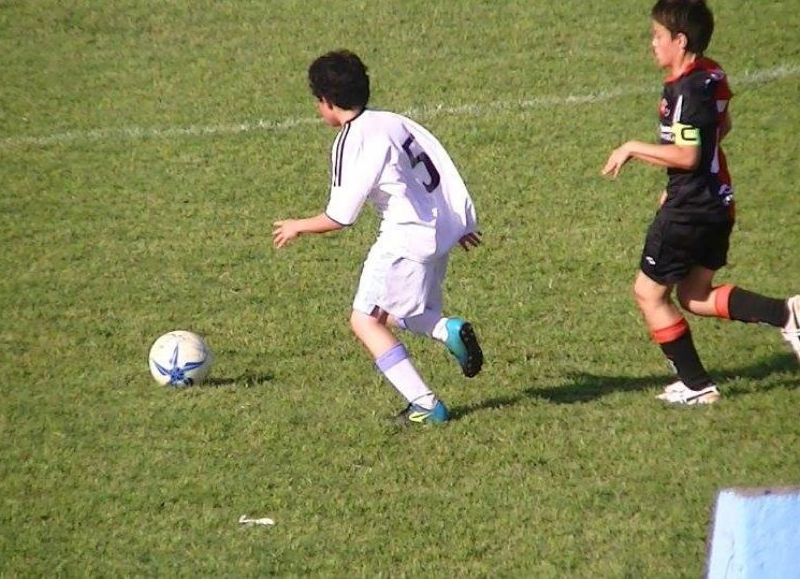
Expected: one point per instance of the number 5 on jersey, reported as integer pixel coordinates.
(423, 158)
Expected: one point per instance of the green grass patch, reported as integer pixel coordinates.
(138, 196)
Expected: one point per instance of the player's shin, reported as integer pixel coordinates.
(395, 364)
(745, 306)
(677, 344)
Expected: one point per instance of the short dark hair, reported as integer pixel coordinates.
(340, 78)
(692, 18)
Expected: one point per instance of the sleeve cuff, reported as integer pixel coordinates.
(328, 215)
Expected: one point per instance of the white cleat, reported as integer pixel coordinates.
(679, 393)
(672, 389)
(791, 331)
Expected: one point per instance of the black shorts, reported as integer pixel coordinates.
(672, 248)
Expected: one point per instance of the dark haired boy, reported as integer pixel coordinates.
(688, 240)
(425, 210)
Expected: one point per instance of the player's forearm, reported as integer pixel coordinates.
(673, 156)
(685, 157)
(318, 224)
(288, 229)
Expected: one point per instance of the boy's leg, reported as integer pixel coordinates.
(394, 362)
(739, 304)
(429, 323)
(671, 332)
(698, 295)
(381, 282)
(457, 334)
(668, 252)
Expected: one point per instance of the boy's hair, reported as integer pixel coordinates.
(692, 18)
(341, 79)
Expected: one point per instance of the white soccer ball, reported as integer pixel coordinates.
(180, 358)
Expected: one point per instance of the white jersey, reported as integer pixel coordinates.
(403, 170)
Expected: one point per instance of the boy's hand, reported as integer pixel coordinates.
(470, 240)
(618, 158)
(284, 231)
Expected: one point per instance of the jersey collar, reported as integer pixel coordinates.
(701, 62)
(361, 112)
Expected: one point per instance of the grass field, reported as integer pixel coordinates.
(147, 147)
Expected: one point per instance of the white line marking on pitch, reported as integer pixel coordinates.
(138, 133)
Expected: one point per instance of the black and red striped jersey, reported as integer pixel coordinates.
(692, 111)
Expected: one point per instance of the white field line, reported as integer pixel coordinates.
(471, 110)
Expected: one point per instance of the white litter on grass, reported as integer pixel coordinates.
(245, 520)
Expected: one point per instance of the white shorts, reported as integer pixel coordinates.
(402, 287)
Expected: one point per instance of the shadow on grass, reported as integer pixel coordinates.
(247, 381)
(584, 387)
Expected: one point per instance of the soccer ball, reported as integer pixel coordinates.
(180, 358)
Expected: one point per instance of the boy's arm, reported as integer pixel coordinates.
(684, 157)
(725, 126)
(286, 230)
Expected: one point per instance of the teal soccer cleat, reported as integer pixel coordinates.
(414, 414)
(463, 344)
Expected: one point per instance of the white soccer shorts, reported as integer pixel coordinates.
(402, 287)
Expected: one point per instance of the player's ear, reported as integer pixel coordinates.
(683, 42)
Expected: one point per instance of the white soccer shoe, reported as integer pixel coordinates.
(671, 389)
(791, 331)
(679, 393)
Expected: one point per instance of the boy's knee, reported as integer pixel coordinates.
(647, 298)
(357, 320)
(640, 295)
(360, 320)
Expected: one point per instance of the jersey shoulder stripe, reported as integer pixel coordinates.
(339, 154)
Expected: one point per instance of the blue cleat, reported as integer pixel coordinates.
(463, 344)
(414, 414)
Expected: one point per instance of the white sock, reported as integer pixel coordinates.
(398, 369)
(440, 330)
(428, 323)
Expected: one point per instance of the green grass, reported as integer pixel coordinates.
(131, 205)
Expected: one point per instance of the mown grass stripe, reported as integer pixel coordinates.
(474, 110)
